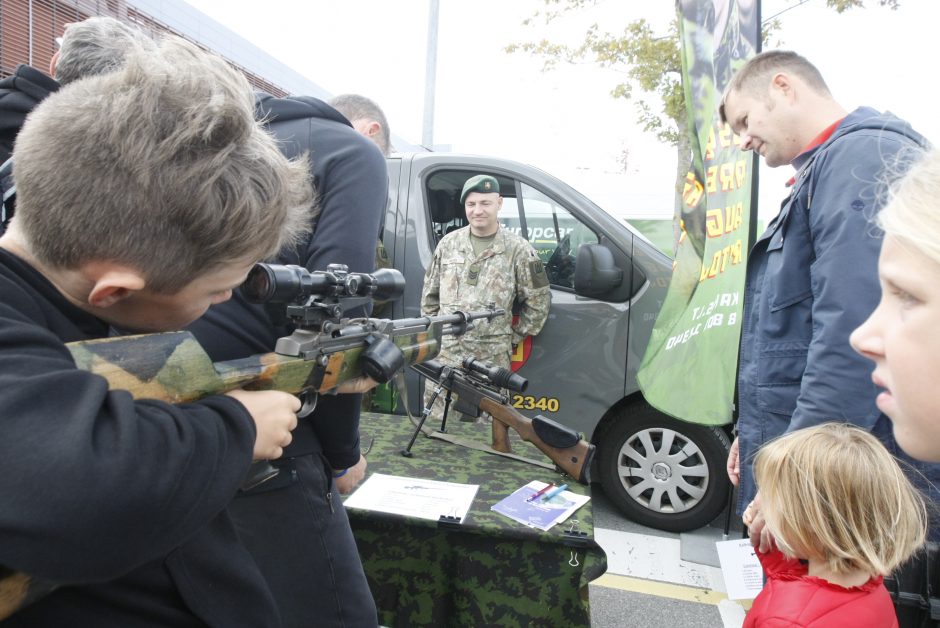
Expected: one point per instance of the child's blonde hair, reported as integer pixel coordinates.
(834, 493)
(911, 213)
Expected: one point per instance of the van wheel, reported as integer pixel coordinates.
(664, 473)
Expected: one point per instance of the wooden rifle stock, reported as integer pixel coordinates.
(573, 455)
(501, 435)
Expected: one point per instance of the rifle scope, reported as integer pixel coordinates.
(274, 283)
(504, 378)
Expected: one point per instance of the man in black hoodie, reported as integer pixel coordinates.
(19, 94)
(295, 524)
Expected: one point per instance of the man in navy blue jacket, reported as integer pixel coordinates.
(295, 524)
(812, 276)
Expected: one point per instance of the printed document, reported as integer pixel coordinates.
(744, 577)
(413, 497)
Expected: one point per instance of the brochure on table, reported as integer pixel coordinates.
(413, 497)
(539, 513)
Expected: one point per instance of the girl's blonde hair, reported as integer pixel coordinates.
(833, 493)
(911, 213)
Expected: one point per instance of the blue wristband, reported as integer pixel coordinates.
(339, 474)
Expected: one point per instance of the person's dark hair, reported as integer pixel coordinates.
(159, 165)
(96, 46)
(754, 76)
(357, 107)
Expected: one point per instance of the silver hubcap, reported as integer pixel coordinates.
(662, 470)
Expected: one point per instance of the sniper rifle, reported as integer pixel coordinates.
(477, 387)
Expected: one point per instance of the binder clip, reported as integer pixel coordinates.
(451, 520)
(574, 536)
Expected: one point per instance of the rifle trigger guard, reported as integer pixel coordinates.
(308, 403)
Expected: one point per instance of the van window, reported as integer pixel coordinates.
(553, 231)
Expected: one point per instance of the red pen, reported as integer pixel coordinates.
(541, 492)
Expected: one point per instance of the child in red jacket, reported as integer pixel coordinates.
(843, 515)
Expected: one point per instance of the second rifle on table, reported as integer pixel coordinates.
(476, 387)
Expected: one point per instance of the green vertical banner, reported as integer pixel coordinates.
(689, 367)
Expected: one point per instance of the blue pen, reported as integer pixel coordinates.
(555, 491)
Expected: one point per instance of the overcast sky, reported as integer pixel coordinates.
(565, 121)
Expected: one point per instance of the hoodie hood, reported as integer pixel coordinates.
(31, 82)
(19, 95)
(272, 109)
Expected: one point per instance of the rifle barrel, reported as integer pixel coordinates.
(450, 319)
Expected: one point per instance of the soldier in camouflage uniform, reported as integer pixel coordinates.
(482, 264)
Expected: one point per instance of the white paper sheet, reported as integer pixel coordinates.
(413, 497)
(744, 577)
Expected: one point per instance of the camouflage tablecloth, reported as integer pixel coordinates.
(489, 570)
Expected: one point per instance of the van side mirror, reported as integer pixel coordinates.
(595, 272)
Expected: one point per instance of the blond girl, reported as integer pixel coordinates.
(843, 515)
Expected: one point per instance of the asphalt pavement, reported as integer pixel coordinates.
(659, 579)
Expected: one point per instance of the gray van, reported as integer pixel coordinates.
(608, 283)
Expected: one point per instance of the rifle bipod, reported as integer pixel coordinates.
(406, 452)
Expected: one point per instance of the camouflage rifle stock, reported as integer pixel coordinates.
(174, 367)
(477, 387)
(325, 351)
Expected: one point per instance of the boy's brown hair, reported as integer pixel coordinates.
(158, 165)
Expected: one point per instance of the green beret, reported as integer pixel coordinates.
(482, 183)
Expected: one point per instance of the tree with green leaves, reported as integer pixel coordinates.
(649, 61)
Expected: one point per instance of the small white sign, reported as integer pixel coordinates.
(744, 577)
(413, 497)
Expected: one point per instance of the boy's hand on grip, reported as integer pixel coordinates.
(275, 416)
